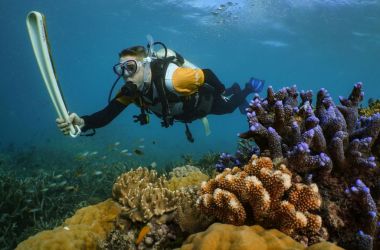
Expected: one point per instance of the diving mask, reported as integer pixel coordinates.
(126, 68)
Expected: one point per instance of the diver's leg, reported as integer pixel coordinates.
(234, 89)
(213, 80)
(224, 106)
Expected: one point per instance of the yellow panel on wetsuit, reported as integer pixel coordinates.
(186, 81)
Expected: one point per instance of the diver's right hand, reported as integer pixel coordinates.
(64, 126)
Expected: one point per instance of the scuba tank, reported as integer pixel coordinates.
(179, 60)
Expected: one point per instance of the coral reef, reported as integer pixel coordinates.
(154, 236)
(161, 217)
(183, 171)
(245, 150)
(188, 216)
(185, 176)
(84, 230)
(143, 194)
(222, 236)
(330, 145)
(262, 193)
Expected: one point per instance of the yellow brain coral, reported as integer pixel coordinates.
(83, 230)
(263, 194)
(228, 237)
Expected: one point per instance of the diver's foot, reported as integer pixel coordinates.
(254, 85)
(234, 89)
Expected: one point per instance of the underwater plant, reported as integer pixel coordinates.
(38, 193)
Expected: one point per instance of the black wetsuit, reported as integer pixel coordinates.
(220, 104)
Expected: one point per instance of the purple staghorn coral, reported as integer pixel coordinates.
(313, 140)
(328, 144)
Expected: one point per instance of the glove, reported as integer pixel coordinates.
(64, 126)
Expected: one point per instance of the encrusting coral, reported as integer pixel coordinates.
(224, 236)
(262, 193)
(183, 171)
(84, 230)
(181, 177)
(373, 108)
(330, 145)
(143, 194)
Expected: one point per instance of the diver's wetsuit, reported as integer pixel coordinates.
(220, 105)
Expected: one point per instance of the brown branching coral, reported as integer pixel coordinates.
(262, 193)
(143, 194)
(188, 216)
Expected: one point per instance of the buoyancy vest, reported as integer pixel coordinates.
(169, 106)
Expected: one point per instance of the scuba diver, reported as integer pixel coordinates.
(167, 85)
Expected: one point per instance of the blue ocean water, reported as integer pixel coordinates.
(313, 44)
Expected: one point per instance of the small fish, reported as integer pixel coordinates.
(142, 139)
(66, 228)
(129, 154)
(138, 152)
(94, 153)
(153, 142)
(80, 174)
(62, 183)
(85, 154)
(30, 191)
(98, 173)
(57, 176)
(153, 164)
(116, 144)
(69, 188)
(28, 200)
(33, 210)
(104, 157)
(124, 151)
(53, 185)
(44, 190)
(141, 146)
